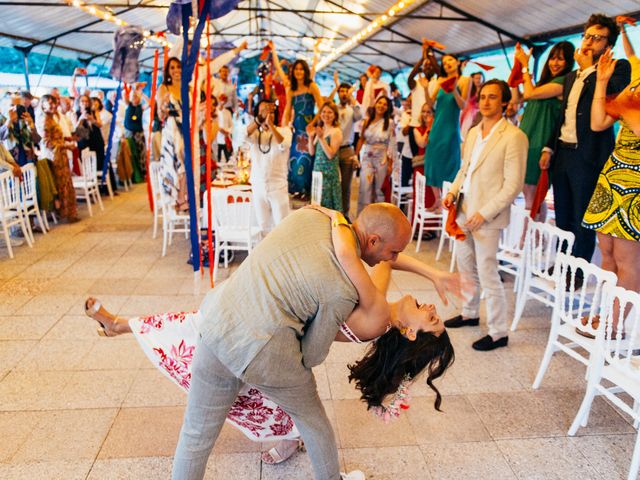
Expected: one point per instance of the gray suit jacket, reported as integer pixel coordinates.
(286, 300)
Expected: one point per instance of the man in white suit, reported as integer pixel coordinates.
(491, 176)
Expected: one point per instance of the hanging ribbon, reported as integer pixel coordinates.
(483, 66)
(189, 62)
(114, 118)
(152, 112)
(208, 141)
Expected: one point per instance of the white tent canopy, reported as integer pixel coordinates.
(464, 26)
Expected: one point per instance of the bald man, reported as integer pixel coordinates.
(271, 322)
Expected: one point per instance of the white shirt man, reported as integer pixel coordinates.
(491, 176)
(224, 86)
(349, 112)
(269, 152)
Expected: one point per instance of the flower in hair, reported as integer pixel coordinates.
(399, 402)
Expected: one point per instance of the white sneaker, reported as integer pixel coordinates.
(353, 475)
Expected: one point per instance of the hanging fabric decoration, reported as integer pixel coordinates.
(127, 43)
(112, 129)
(208, 162)
(152, 111)
(189, 63)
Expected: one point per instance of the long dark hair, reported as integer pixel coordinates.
(372, 113)
(166, 78)
(566, 49)
(307, 74)
(443, 71)
(392, 357)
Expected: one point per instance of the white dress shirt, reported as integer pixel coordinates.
(478, 147)
(270, 160)
(348, 115)
(568, 132)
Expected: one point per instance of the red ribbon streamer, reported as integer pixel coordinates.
(152, 111)
(208, 140)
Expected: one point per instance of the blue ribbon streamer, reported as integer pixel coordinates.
(107, 155)
(189, 61)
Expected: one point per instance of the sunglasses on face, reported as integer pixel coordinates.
(595, 38)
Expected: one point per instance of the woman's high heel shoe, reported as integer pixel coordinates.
(91, 312)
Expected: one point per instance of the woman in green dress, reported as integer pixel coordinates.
(542, 111)
(324, 143)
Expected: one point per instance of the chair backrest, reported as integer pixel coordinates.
(9, 191)
(316, 188)
(395, 178)
(511, 237)
(231, 209)
(622, 309)
(543, 242)
(89, 166)
(588, 301)
(421, 188)
(29, 191)
(154, 176)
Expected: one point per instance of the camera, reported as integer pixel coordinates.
(20, 110)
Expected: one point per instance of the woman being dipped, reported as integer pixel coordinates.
(543, 110)
(409, 338)
(324, 143)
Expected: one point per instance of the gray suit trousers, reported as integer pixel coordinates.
(214, 389)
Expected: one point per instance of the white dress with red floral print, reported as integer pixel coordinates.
(169, 340)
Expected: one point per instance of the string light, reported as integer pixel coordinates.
(109, 17)
(365, 33)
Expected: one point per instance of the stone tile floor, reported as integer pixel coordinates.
(76, 406)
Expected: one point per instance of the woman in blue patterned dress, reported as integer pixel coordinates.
(303, 96)
(324, 143)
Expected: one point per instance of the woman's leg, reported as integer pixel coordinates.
(624, 253)
(606, 244)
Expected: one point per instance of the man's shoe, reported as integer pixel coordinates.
(487, 343)
(353, 475)
(458, 321)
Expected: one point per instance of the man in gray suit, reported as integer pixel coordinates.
(271, 322)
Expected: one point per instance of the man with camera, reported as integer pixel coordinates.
(269, 153)
(19, 134)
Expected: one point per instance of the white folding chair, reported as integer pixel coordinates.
(86, 185)
(30, 198)
(107, 180)
(401, 195)
(316, 188)
(11, 209)
(429, 221)
(172, 221)
(232, 211)
(446, 186)
(615, 360)
(154, 175)
(542, 243)
(511, 246)
(571, 307)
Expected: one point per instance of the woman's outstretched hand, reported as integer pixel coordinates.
(456, 283)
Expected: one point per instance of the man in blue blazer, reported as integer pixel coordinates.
(575, 153)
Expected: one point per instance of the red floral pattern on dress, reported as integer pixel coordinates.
(169, 341)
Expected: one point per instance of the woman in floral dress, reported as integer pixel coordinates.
(376, 149)
(419, 341)
(324, 143)
(54, 148)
